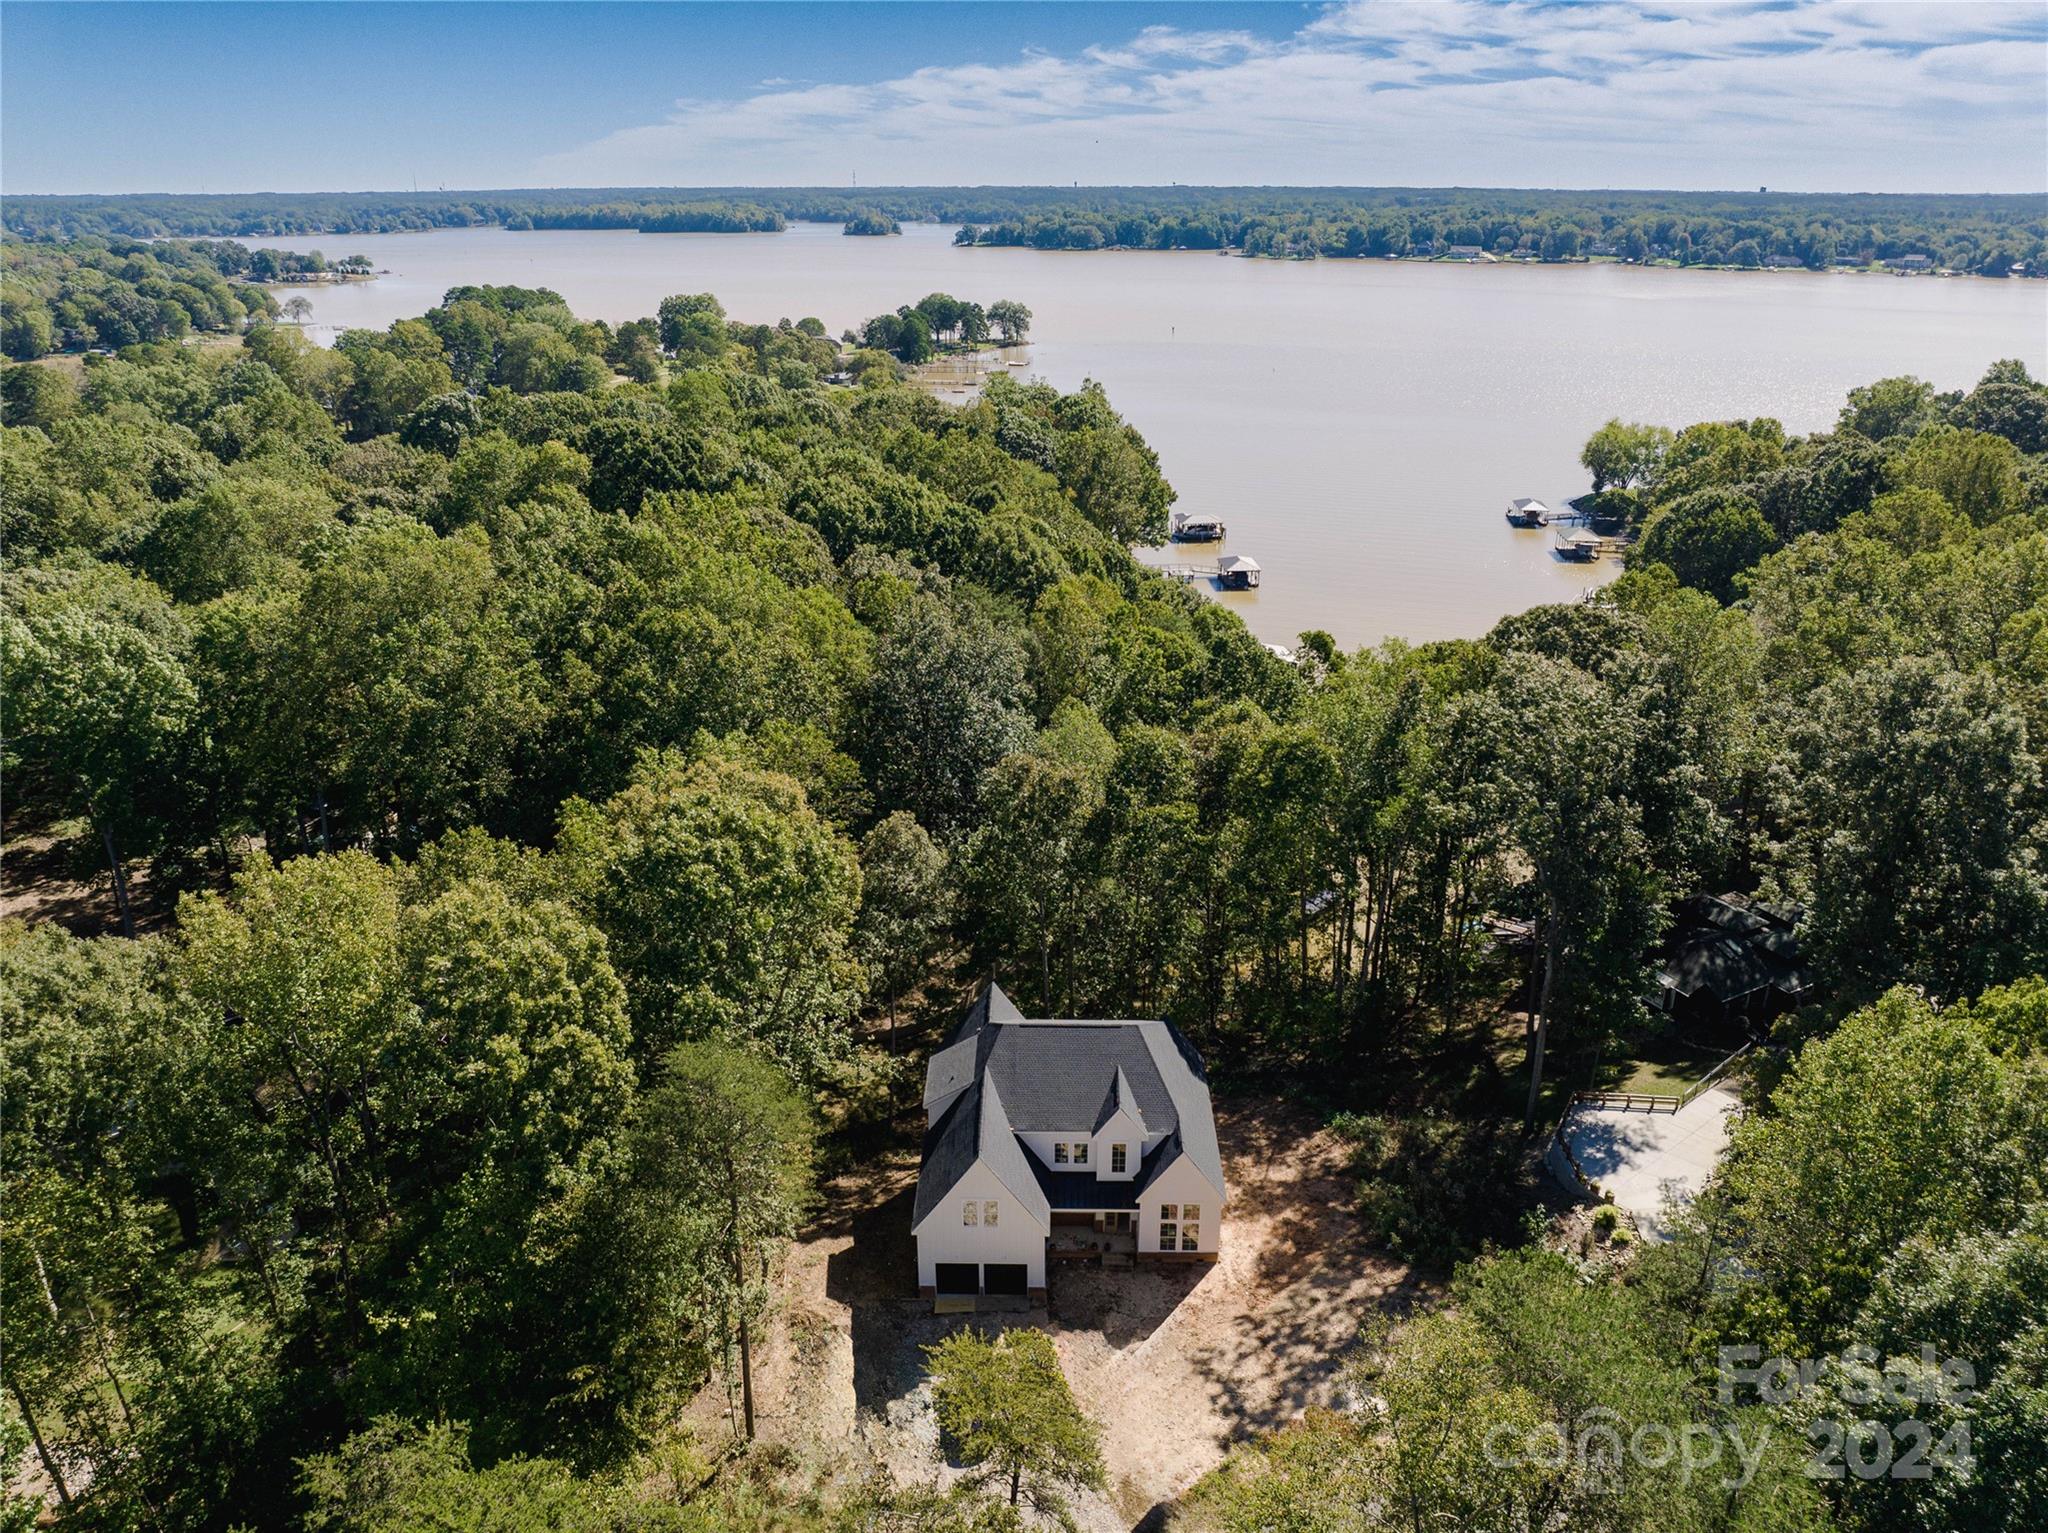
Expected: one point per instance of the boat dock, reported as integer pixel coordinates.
(1234, 572)
(1572, 538)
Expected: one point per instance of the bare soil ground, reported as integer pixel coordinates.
(1172, 1363)
(41, 879)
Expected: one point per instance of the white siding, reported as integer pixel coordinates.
(1121, 1129)
(1181, 1184)
(1040, 1144)
(1016, 1238)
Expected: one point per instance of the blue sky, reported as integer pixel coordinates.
(1795, 94)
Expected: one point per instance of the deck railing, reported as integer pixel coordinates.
(1657, 1101)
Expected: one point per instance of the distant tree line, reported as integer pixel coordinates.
(1985, 234)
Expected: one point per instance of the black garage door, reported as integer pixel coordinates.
(1004, 1278)
(959, 1277)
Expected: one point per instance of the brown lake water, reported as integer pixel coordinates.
(1360, 425)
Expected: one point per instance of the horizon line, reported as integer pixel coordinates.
(1015, 186)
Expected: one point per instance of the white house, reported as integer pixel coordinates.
(1065, 1140)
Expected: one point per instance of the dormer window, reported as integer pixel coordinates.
(1059, 1152)
(1119, 1159)
(1081, 1153)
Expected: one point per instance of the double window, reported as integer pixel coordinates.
(1064, 1154)
(972, 1212)
(1180, 1227)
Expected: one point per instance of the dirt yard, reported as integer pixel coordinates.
(1171, 1363)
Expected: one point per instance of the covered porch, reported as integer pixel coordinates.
(1108, 1237)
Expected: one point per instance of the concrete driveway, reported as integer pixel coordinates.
(1643, 1159)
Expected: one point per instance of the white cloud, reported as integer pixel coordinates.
(1808, 95)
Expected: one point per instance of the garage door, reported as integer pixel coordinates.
(960, 1277)
(1003, 1277)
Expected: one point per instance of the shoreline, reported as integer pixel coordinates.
(255, 241)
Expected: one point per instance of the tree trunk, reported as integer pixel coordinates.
(1016, 1479)
(739, 1277)
(120, 882)
(1542, 1016)
(35, 1433)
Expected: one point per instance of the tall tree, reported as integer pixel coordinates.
(722, 1166)
(906, 902)
(729, 906)
(1007, 1409)
(94, 669)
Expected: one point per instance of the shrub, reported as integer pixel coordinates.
(1436, 1189)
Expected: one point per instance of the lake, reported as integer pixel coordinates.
(1361, 425)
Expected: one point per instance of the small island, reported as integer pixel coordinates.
(870, 221)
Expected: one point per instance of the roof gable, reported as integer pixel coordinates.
(975, 1129)
(1119, 1099)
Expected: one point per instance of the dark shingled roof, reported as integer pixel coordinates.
(1051, 1076)
(1054, 1074)
(1730, 946)
(975, 1128)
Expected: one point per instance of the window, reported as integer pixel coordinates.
(1167, 1231)
(969, 1212)
(988, 1213)
(1081, 1154)
(1190, 1237)
(1191, 1213)
(1169, 1210)
(1118, 1159)
(1059, 1154)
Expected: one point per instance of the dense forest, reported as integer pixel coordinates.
(529, 757)
(1986, 234)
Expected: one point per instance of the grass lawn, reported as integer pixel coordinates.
(1661, 1063)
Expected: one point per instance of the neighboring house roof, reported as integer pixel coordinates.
(976, 1128)
(1730, 946)
(1061, 1076)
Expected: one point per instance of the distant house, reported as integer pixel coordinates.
(1731, 959)
(1783, 261)
(1467, 253)
(1061, 1140)
(1911, 263)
